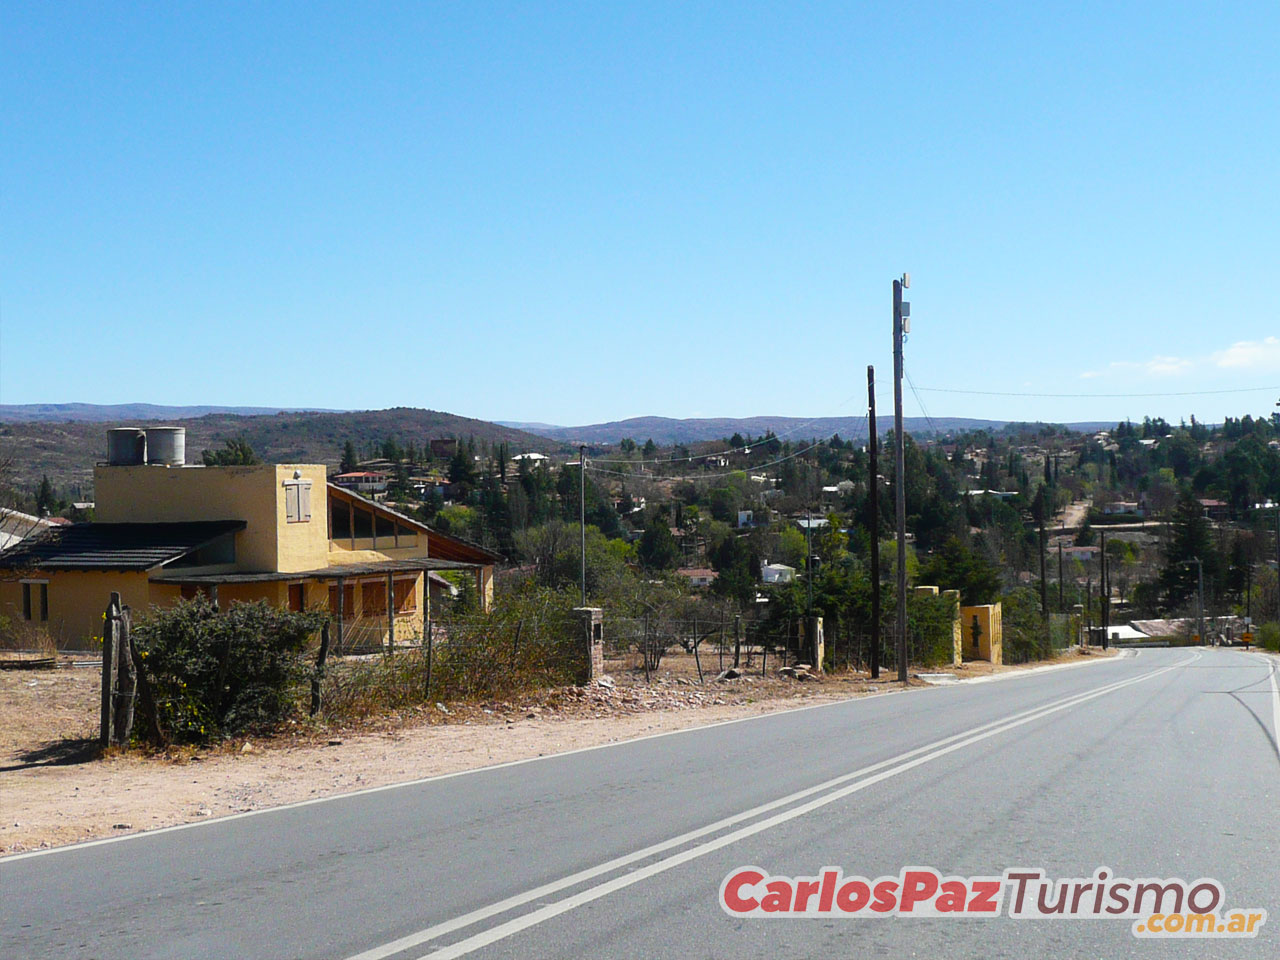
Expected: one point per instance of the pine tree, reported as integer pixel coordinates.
(349, 458)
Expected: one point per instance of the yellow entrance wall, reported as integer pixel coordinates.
(991, 638)
(255, 494)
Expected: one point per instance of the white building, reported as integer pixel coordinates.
(777, 573)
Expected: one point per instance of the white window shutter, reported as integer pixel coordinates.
(304, 502)
(291, 503)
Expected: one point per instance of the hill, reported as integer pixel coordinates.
(664, 430)
(67, 450)
(125, 412)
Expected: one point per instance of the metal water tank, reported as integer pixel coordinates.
(126, 446)
(167, 446)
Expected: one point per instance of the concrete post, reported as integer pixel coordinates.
(817, 644)
(591, 644)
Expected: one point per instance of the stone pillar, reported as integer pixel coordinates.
(817, 645)
(591, 644)
(957, 629)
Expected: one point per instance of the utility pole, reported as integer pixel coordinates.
(873, 522)
(1200, 603)
(808, 560)
(582, 515)
(1061, 603)
(1044, 584)
(900, 311)
(1104, 596)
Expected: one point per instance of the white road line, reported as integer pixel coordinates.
(888, 768)
(1272, 665)
(144, 834)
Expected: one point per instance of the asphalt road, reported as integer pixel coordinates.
(1159, 764)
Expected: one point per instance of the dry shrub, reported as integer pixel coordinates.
(529, 640)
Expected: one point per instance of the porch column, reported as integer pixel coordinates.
(391, 613)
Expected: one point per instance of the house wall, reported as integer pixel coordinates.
(255, 494)
(77, 602)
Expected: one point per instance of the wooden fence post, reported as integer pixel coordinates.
(126, 680)
(737, 641)
(110, 651)
(318, 677)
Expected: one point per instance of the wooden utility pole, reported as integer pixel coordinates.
(1104, 595)
(582, 515)
(1061, 603)
(899, 457)
(110, 655)
(1044, 583)
(873, 520)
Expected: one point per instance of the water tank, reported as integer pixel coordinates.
(167, 446)
(126, 446)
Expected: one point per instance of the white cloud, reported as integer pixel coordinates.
(1260, 355)
(1249, 356)
(1159, 366)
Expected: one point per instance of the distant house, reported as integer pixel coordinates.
(533, 459)
(1122, 507)
(698, 576)
(1216, 509)
(368, 483)
(998, 494)
(812, 523)
(777, 573)
(746, 518)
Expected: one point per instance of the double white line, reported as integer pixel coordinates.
(828, 792)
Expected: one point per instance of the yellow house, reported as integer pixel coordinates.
(275, 532)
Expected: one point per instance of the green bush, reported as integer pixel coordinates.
(215, 674)
(1026, 634)
(931, 623)
(1269, 636)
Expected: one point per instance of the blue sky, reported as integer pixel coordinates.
(575, 213)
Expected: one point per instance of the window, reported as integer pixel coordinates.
(373, 598)
(406, 596)
(348, 601)
(35, 600)
(297, 501)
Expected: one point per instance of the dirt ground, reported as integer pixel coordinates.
(56, 787)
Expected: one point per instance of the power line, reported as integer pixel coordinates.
(923, 409)
(1090, 396)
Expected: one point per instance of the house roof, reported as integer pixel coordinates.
(445, 546)
(114, 546)
(362, 569)
(697, 573)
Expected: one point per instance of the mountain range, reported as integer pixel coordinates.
(665, 430)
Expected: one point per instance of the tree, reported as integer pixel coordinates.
(462, 470)
(658, 549)
(46, 500)
(1190, 539)
(349, 459)
(234, 453)
(958, 567)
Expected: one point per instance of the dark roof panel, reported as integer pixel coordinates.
(114, 546)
